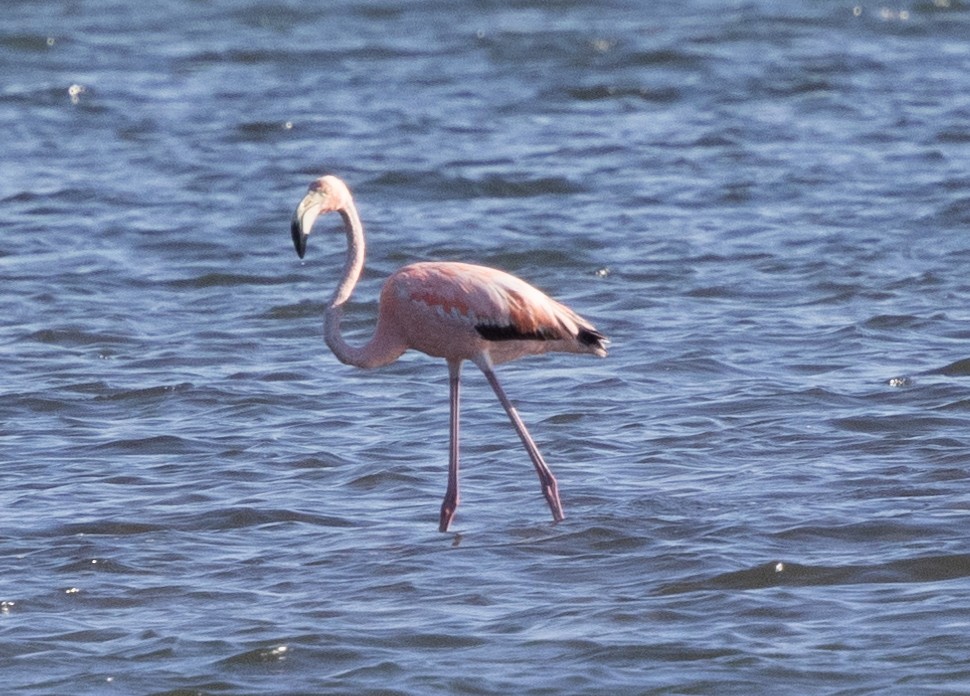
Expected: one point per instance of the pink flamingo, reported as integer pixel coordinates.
(454, 311)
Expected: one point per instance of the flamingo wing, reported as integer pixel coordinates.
(495, 307)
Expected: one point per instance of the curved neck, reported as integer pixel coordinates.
(378, 351)
(354, 263)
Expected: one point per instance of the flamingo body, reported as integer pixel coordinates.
(450, 310)
(459, 311)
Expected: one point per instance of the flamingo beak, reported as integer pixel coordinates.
(303, 219)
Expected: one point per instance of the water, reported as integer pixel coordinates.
(766, 484)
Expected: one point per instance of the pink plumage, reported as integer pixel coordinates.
(450, 310)
(458, 311)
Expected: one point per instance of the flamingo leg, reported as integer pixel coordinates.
(550, 489)
(452, 497)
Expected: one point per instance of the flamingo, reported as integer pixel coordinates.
(456, 311)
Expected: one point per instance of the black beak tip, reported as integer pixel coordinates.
(299, 239)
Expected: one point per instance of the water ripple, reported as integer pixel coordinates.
(929, 569)
(763, 204)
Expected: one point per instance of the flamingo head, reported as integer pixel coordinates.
(325, 195)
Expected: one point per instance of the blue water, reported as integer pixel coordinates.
(767, 483)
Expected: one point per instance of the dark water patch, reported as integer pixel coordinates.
(218, 280)
(23, 197)
(891, 322)
(258, 657)
(249, 56)
(128, 480)
(101, 565)
(91, 388)
(958, 368)
(285, 57)
(37, 43)
(662, 57)
(817, 369)
(145, 393)
(263, 131)
(695, 362)
(246, 517)
(113, 527)
(961, 405)
(182, 245)
(37, 404)
(437, 186)
(388, 479)
(512, 47)
(953, 136)
(153, 445)
(300, 310)
(594, 539)
(74, 337)
(928, 569)
(925, 281)
(480, 162)
(798, 85)
(955, 212)
(941, 7)
(675, 652)
(275, 17)
(202, 688)
(316, 463)
(906, 425)
(268, 376)
(518, 261)
(715, 292)
(603, 92)
(716, 139)
(445, 641)
(869, 531)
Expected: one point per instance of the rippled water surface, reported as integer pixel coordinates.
(767, 483)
